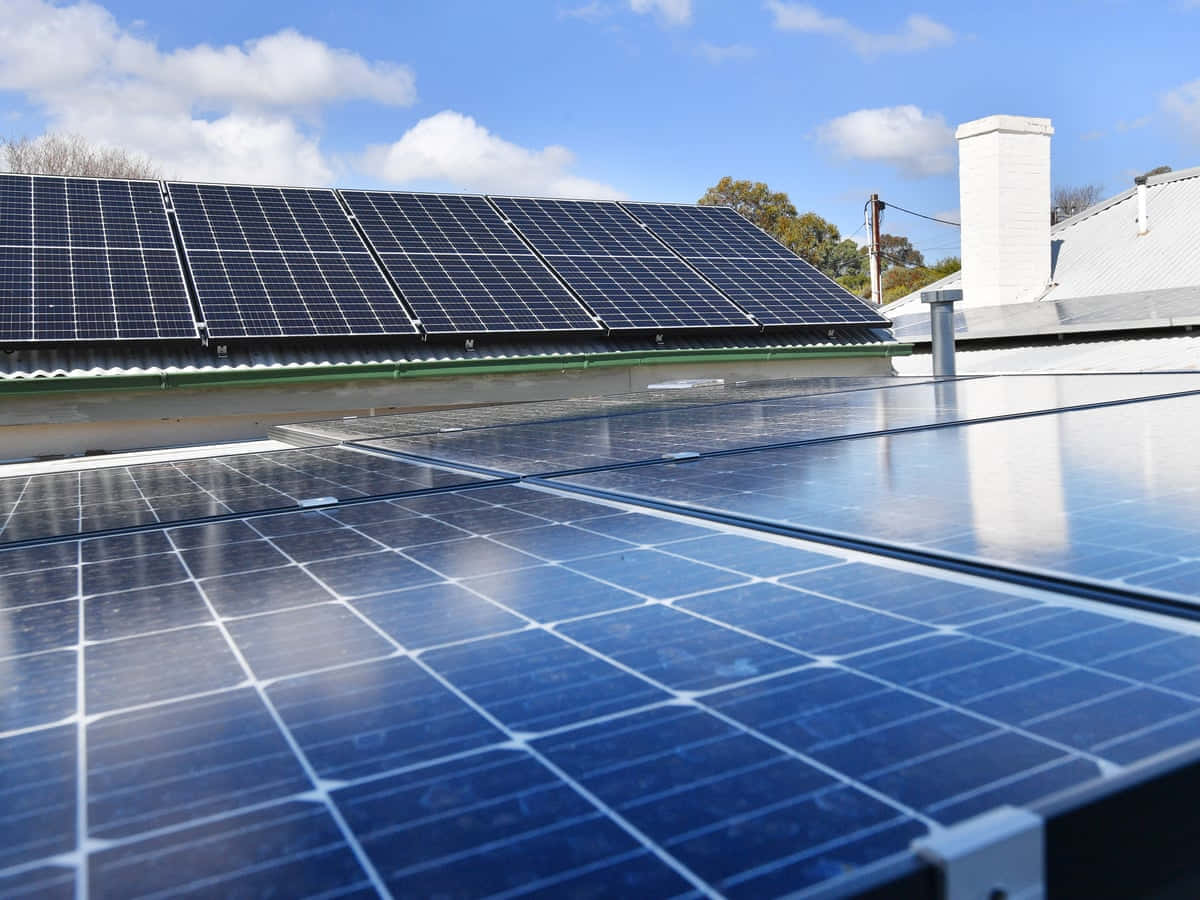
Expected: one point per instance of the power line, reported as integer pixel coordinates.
(923, 216)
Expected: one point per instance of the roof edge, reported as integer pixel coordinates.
(161, 379)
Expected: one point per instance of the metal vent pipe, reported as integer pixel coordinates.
(941, 329)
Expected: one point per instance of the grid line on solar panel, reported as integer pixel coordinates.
(629, 278)
(751, 268)
(281, 262)
(461, 268)
(88, 259)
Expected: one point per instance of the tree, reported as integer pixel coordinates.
(900, 281)
(72, 154)
(765, 208)
(899, 251)
(1071, 199)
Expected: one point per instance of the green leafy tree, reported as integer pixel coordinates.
(767, 209)
(900, 281)
(898, 251)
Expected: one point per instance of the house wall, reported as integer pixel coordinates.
(75, 423)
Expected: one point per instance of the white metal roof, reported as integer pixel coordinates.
(1158, 354)
(1099, 252)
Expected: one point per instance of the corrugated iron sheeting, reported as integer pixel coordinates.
(1162, 354)
(133, 359)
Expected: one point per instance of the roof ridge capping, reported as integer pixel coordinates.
(1008, 124)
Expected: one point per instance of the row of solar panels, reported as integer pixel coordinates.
(93, 259)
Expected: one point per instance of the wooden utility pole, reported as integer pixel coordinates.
(874, 208)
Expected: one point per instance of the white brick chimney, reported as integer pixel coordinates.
(1004, 198)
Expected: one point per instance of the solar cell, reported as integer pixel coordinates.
(281, 262)
(758, 273)
(592, 724)
(88, 259)
(627, 277)
(461, 268)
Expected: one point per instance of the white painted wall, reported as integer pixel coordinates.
(1004, 197)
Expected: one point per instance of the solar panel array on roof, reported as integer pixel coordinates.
(281, 262)
(762, 276)
(473, 688)
(627, 277)
(85, 259)
(461, 268)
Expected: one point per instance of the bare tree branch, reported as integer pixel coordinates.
(72, 154)
(1071, 199)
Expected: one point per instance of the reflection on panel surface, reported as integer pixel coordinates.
(1108, 493)
(504, 689)
(561, 446)
(121, 496)
(400, 425)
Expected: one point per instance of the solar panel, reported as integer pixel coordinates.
(84, 259)
(461, 268)
(543, 447)
(64, 503)
(1037, 493)
(627, 277)
(281, 262)
(762, 276)
(501, 690)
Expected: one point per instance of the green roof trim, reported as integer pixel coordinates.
(282, 375)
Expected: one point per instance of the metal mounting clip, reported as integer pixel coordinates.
(999, 855)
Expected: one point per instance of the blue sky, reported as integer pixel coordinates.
(647, 99)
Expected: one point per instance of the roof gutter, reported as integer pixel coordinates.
(279, 376)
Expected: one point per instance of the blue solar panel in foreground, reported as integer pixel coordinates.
(85, 259)
(502, 691)
(628, 278)
(281, 262)
(461, 268)
(762, 276)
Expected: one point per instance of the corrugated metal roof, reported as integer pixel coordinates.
(1170, 308)
(1099, 252)
(131, 359)
(1160, 354)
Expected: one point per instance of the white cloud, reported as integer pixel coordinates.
(915, 142)
(673, 12)
(588, 12)
(717, 54)
(1133, 124)
(1183, 104)
(236, 113)
(455, 149)
(919, 32)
